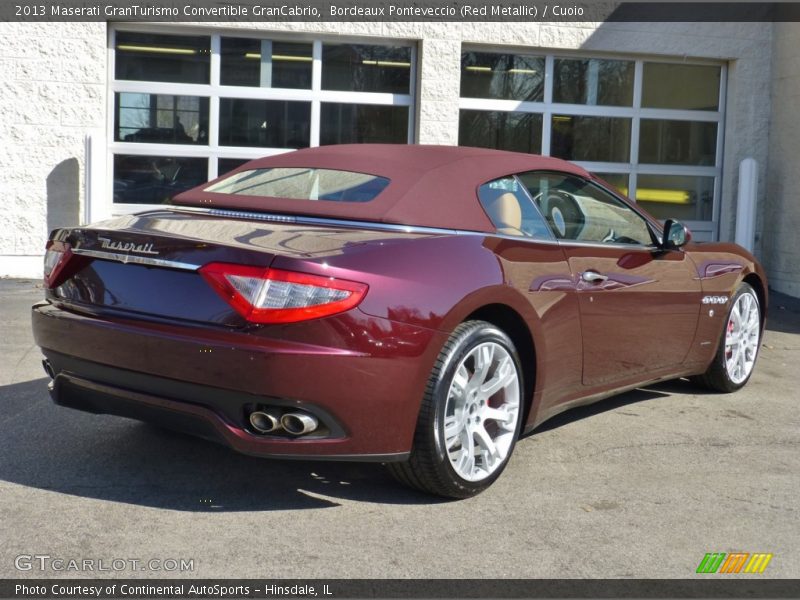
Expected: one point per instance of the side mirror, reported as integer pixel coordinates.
(675, 235)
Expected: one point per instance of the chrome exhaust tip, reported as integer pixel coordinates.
(299, 423)
(264, 421)
(48, 369)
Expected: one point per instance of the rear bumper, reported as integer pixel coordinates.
(364, 379)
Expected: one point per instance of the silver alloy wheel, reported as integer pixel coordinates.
(742, 334)
(480, 418)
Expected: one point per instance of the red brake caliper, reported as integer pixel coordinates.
(729, 353)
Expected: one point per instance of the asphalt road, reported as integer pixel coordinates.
(641, 485)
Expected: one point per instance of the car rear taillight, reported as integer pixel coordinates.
(264, 295)
(56, 257)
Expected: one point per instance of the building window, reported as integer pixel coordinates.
(593, 81)
(264, 123)
(678, 86)
(160, 118)
(168, 58)
(362, 124)
(653, 129)
(188, 108)
(595, 139)
(509, 130)
(142, 179)
(263, 63)
(502, 76)
(363, 68)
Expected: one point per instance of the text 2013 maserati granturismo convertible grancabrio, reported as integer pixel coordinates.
(421, 306)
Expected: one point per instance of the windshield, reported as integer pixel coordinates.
(303, 184)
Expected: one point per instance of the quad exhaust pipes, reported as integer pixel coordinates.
(299, 423)
(265, 421)
(270, 421)
(48, 369)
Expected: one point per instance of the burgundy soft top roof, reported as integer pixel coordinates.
(432, 186)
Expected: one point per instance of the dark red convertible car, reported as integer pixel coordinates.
(421, 306)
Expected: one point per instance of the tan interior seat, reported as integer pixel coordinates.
(506, 214)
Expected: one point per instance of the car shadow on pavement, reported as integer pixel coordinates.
(52, 448)
(783, 314)
(662, 389)
(633, 397)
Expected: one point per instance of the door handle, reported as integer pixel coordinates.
(593, 277)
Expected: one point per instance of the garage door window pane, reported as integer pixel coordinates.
(365, 68)
(603, 139)
(687, 87)
(171, 58)
(155, 179)
(676, 197)
(264, 123)
(161, 119)
(502, 76)
(224, 165)
(264, 63)
(618, 181)
(363, 124)
(593, 81)
(516, 131)
(677, 142)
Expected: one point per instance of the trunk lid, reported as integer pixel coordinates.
(145, 265)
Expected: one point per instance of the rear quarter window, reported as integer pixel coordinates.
(511, 209)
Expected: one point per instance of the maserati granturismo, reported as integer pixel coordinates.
(420, 306)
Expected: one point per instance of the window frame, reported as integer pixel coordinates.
(213, 151)
(703, 230)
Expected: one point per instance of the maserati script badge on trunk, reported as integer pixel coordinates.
(126, 246)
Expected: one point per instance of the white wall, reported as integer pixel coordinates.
(782, 211)
(54, 93)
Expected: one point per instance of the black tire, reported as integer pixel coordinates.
(429, 467)
(717, 377)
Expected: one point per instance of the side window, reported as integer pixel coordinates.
(578, 210)
(511, 210)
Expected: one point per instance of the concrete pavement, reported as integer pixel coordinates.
(640, 485)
